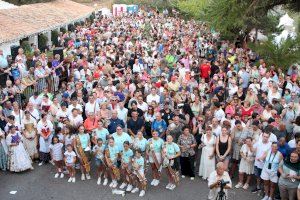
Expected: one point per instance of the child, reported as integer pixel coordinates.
(57, 156)
(138, 165)
(126, 156)
(98, 151)
(59, 134)
(70, 159)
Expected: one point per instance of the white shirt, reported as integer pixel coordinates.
(35, 101)
(216, 131)
(70, 156)
(75, 121)
(261, 148)
(143, 106)
(70, 108)
(292, 143)
(122, 114)
(213, 177)
(219, 114)
(264, 83)
(92, 108)
(152, 97)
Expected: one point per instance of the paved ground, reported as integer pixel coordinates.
(39, 184)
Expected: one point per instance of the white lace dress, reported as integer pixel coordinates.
(207, 165)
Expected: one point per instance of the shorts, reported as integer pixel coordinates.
(228, 157)
(257, 171)
(98, 162)
(158, 156)
(269, 175)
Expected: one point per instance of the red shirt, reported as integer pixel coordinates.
(205, 70)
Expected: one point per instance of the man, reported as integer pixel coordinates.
(35, 100)
(175, 128)
(122, 112)
(159, 125)
(215, 179)
(91, 106)
(260, 148)
(114, 122)
(135, 124)
(141, 104)
(91, 122)
(76, 105)
(219, 112)
(152, 97)
(135, 108)
(205, 70)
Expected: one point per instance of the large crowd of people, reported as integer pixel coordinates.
(150, 92)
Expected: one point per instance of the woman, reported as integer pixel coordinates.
(154, 148)
(170, 152)
(105, 113)
(208, 159)
(196, 106)
(45, 131)
(18, 158)
(3, 151)
(140, 143)
(251, 97)
(246, 110)
(149, 118)
(30, 135)
(187, 143)
(40, 75)
(230, 108)
(290, 177)
(246, 164)
(100, 132)
(269, 172)
(82, 145)
(223, 147)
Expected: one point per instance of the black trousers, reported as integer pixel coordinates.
(187, 166)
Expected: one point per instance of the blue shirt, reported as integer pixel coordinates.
(156, 145)
(159, 126)
(127, 155)
(113, 125)
(285, 150)
(113, 153)
(120, 139)
(101, 134)
(140, 161)
(84, 139)
(245, 76)
(172, 149)
(141, 144)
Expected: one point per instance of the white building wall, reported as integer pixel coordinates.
(33, 39)
(6, 47)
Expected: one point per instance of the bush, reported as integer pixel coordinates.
(82, 23)
(63, 30)
(43, 40)
(77, 24)
(54, 37)
(92, 17)
(26, 47)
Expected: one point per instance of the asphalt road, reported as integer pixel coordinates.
(39, 184)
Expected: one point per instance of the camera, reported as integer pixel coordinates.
(222, 183)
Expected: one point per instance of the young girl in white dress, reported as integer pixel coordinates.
(18, 158)
(246, 164)
(70, 159)
(208, 160)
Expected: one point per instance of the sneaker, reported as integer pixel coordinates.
(142, 193)
(56, 175)
(255, 190)
(172, 187)
(70, 179)
(73, 180)
(182, 176)
(115, 184)
(192, 178)
(111, 184)
(62, 175)
(105, 182)
(129, 188)
(239, 185)
(88, 177)
(123, 185)
(156, 183)
(153, 181)
(168, 186)
(246, 186)
(266, 198)
(135, 190)
(82, 177)
(99, 181)
(41, 163)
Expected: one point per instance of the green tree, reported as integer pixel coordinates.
(24, 2)
(191, 8)
(283, 54)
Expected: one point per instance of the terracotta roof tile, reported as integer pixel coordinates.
(23, 21)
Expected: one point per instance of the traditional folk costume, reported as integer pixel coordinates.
(45, 130)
